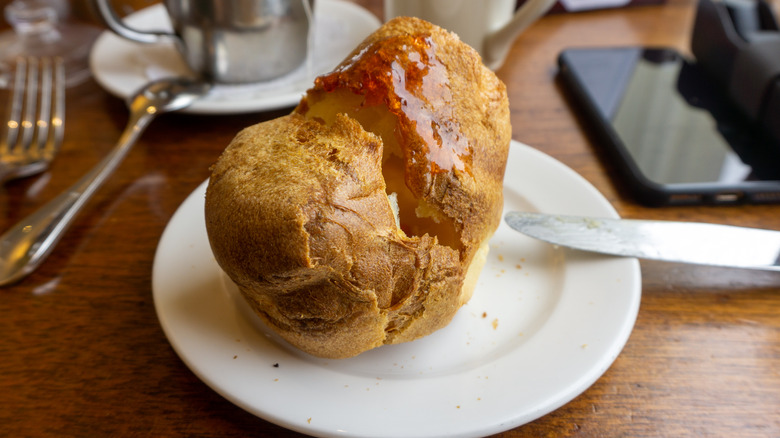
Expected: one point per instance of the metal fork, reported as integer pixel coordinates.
(36, 118)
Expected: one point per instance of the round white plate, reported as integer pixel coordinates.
(543, 325)
(121, 66)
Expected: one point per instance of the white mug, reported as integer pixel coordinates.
(489, 26)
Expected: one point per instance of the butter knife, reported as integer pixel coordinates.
(681, 242)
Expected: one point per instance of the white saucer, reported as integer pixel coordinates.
(543, 325)
(122, 66)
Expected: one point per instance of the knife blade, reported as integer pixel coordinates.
(681, 242)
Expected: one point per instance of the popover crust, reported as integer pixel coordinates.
(300, 210)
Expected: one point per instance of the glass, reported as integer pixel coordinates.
(42, 28)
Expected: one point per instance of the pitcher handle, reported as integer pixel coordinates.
(113, 22)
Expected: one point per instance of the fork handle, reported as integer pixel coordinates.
(27, 244)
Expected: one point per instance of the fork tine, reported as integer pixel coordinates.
(15, 107)
(44, 109)
(54, 141)
(31, 96)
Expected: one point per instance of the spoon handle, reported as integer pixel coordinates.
(27, 244)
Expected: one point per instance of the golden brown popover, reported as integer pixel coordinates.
(363, 217)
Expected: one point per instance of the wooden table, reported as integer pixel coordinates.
(82, 352)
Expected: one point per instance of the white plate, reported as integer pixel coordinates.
(543, 325)
(122, 66)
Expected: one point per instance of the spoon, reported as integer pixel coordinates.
(27, 244)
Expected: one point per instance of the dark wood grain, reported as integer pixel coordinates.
(83, 353)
